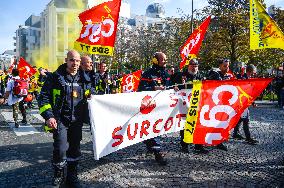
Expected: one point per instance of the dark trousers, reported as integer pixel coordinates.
(182, 143)
(281, 98)
(153, 145)
(2, 89)
(245, 122)
(66, 143)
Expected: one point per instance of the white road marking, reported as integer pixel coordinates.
(23, 129)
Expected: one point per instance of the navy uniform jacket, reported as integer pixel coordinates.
(102, 87)
(63, 96)
(155, 76)
(218, 75)
(178, 79)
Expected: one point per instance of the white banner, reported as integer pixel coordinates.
(121, 120)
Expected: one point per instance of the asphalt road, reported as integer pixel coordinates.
(25, 159)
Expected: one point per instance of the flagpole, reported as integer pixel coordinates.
(108, 77)
(191, 16)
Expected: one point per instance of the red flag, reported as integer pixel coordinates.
(216, 107)
(25, 69)
(99, 28)
(130, 82)
(191, 47)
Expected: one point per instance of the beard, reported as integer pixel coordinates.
(192, 72)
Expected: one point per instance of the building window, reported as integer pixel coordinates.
(60, 33)
(60, 19)
(60, 46)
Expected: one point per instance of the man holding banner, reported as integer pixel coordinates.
(155, 78)
(183, 79)
(221, 74)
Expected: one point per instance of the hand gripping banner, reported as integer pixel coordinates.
(191, 47)
(216, 107)
(99, 28)
(264, 32)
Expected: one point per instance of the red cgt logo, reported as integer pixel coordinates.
(147, 105)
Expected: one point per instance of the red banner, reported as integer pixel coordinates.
(130, 82)
(99, 28)
(191, 47)
(216, 107)
(25, 69)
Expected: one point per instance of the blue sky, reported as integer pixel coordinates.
(14, 13)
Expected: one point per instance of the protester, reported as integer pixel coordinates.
(87, 67)
(279, 88)
(153, 79)
(15, 99)
(250, 72)
(33, 88)
(222, 74)
(43, 73)
(60, 103)
(182, 79)
(86, 63)
(171, 72)
(2, 83)
(104, 80)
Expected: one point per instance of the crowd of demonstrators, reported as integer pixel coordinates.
(62, 99)
(17, 102)
(19, 92)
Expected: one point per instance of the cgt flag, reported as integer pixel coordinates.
(25, 69)
(215, 108)
(99, 28)
(264, 32)
(130, 82)
(191, 47)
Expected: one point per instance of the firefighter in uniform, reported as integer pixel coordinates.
(43, 73)
(104, 82)
(185, 78)
(155, 78)
(60, 103)
(87, 67)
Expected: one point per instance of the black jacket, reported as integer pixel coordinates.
(63, 96)
(102, 87)
(217, 75)
(178, 79)
(155, 76)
